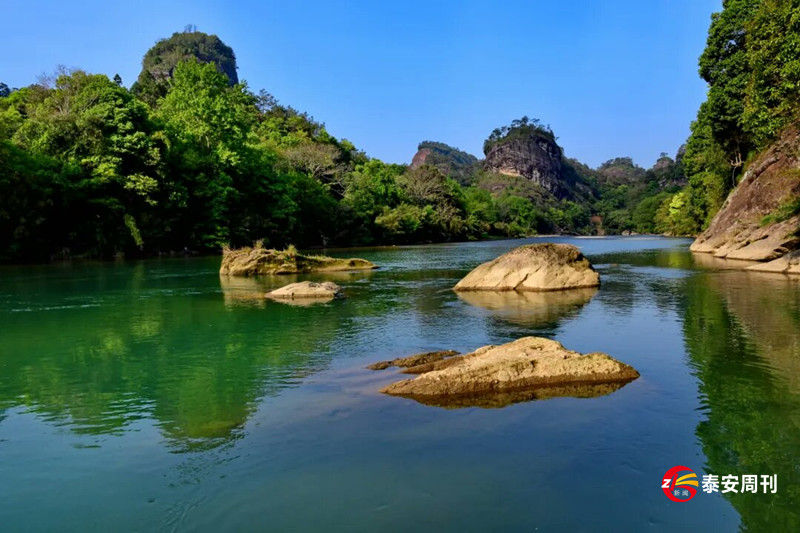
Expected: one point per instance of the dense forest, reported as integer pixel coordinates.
(752, 66)
(189, 158)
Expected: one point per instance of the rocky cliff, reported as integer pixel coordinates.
(760, 220)
(530, 154)
(459, 165)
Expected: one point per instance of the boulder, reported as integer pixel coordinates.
(306, 290)
(521, 366)
(534, 267)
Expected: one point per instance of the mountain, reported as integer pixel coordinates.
(159, 62)
(528, 150)
(459, 165)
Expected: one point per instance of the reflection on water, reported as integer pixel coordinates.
(720, 263)
(531, 308)
(499, 399)
(743, 334)
(249, 291)
(152, 349)
(157, 395)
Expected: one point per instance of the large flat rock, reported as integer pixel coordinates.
(519, 367)
(534, 267)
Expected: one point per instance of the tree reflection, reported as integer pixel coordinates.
(743, 335)
(166, 349)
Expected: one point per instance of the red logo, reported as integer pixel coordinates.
(679, 484)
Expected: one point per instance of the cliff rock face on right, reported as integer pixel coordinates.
(760, 220)
(534, 267)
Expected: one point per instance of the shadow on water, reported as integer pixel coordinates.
(742, 332)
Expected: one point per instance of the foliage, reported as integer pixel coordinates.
(752, 66)
(453, 162)
(519, 128)
(160, 61)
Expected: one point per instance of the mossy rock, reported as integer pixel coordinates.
(257, 260)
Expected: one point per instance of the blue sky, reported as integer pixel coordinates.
(612, 78)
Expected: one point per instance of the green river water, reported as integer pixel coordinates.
(156, 396)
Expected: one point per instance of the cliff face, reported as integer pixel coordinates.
(760, 220)
(533, 156)
(459, 165)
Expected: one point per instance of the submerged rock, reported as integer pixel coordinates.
(306, 290)
(516, 371)
(413, 360)
(251, 261)
(534, 267)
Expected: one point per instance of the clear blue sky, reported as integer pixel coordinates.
(612, 78)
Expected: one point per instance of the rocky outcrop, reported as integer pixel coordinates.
(525, 365)
(534, 267)
(160, 61)
(533, 155)
(459, 165)
(306, 290)
(413, 360)
(256, 260)
(760, 220)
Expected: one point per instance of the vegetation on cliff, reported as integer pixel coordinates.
(459, 165)
(752, 66)
(160, 61)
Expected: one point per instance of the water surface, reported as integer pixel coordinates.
(156, 396)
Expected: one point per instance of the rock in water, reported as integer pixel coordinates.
(306, 290)
(257, 260)
(525, 365)
(534, 267)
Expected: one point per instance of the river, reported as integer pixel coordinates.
(155, 396)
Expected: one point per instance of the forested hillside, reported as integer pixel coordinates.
(190, 158)
(752, 66)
